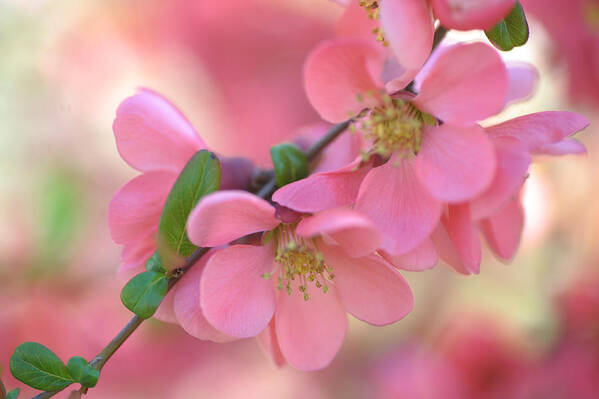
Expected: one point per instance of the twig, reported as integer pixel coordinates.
(265, 192)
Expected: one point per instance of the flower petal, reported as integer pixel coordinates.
(234, 296)
(224, 216)
(369, 288)
(324, 190)
(504, 229)
(449, 89)
(151, 133)
(354, 22)
(408, 26)
(538, 129)
(523, 79)
(186, 305)
(310, 333)
(564, 147)
(420, 258)
(135, 209)
(464, 236)
(447, 250)
(338, 72)
(468, 14)
(403, 210)
(267, 340)
(513, 160)
(355, 233)
(166, 312)
(455, 163)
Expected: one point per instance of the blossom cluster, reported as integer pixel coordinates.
(419, 177)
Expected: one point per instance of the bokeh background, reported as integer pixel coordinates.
(233, 67)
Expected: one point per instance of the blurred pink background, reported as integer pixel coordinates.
(234, 68)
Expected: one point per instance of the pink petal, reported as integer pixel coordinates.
(186, 305)
(268, 342)
(564, 147)
(340, 71)
(151, 134)
(420, 258)
(504, 229)
(513, 160)
(369, 288)
(354, 22)
(310, 333)
(447, 250)
(234, 296)
(464, 236)
(224, 216)
(523, 79)
(355, 233)
(455, 163)
(449, 90)
(469, 14)
(536, 130)
(403, 210)
(166, 312)
(135, 209)
(408, 27)
(141, 250)
(323, 190)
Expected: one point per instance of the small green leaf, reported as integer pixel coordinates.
(143, 293)
(290, 163)
(201, 176)
(511, 32)
(13, 394)
(154, 264)
(37, 366)
(82, 372)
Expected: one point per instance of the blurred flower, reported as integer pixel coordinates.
(574, 28)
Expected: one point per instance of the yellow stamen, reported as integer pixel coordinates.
(395, 126)
(373, 11)
(300, 261)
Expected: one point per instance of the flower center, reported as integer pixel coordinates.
(300, 261)
(591, 14)
(373, 11)
(395, 126)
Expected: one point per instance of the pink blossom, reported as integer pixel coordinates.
(574, 29)
(155, 138)
(407, 26)
(497, 212)
(419, 163)
(294, 288)
(422, 171)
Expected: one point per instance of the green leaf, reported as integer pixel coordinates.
(143, 293)
(201, 176)
(290, 163)
(13, 394)
(37, 366)
(511, 32)
(82, 372)
(154, 264)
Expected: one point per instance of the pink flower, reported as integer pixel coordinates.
(497, 212)
(407, 26)
(421, 163)
(294, 288)
(574, 28)
(155, 138)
